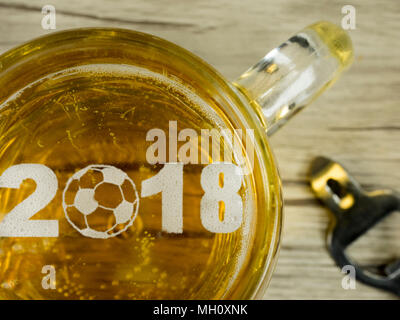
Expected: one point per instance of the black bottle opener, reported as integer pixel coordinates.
(355, 212)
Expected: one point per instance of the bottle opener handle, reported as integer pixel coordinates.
(355, 211)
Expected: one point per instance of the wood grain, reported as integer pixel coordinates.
(356, 122)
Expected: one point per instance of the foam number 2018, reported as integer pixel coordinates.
(168, 182)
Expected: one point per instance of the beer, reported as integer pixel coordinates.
(100, 114)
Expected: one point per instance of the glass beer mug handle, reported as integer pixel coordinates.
(292, 75)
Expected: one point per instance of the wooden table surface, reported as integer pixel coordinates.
(357, 121)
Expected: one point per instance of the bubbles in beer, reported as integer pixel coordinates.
(100, 114)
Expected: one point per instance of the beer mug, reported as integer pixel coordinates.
(131, 169)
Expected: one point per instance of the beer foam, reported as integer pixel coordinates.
(172, 82)
(128, 71)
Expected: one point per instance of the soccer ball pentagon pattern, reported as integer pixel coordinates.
(100, 201)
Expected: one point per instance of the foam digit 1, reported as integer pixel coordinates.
(169, 181)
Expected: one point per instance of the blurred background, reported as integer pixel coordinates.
(357, 122)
